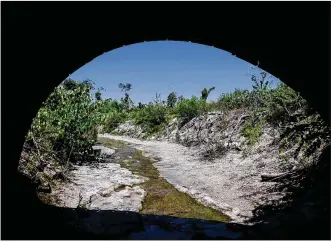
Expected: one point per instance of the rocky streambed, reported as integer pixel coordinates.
(124, 196)
(230, 184)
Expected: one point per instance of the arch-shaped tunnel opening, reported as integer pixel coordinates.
(86, 148)
(269, 60)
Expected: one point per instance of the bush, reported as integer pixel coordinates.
(283, 101)
(274, 105)
(151, 117)
(252, 130)
(187, 109)
(114, 119)
(67, 122)
(236, 100)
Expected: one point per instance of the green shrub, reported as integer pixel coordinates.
(172, 99)
(187, 109)
(274, 105)
(114, 119)
(67, 121)
(283, 101)
(151, 115)
(252, 131)
(235, 100)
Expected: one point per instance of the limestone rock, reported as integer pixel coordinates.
(95, 186)
(44, 187)
(103, 151)
(107, 192)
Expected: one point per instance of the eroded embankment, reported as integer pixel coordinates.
(228, 161)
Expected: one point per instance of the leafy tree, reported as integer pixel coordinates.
(205, 93)
(127, 102)
(69, 84)
(125, 87)
(172, 99)
(140, 105)
(260, 84)
(98, 96)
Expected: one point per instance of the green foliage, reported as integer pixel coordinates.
(151, 116)
(260, 84)
(282, 102)
(114, 119)
(70, 84)
(115, 106)
(275, 105)
(98, 96)
(252, 130)
(172, 99)
(307, 130)
(125, 87)
(66, 125)
(127, 103)
(140, 105)
(67, 121)
(235, 100)
(205, 93)
(187, 109)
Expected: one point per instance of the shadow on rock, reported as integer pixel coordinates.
(305, 210)
(32, 219)
(65, 223)
(304, 215)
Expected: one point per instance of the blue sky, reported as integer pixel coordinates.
(166, 66)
